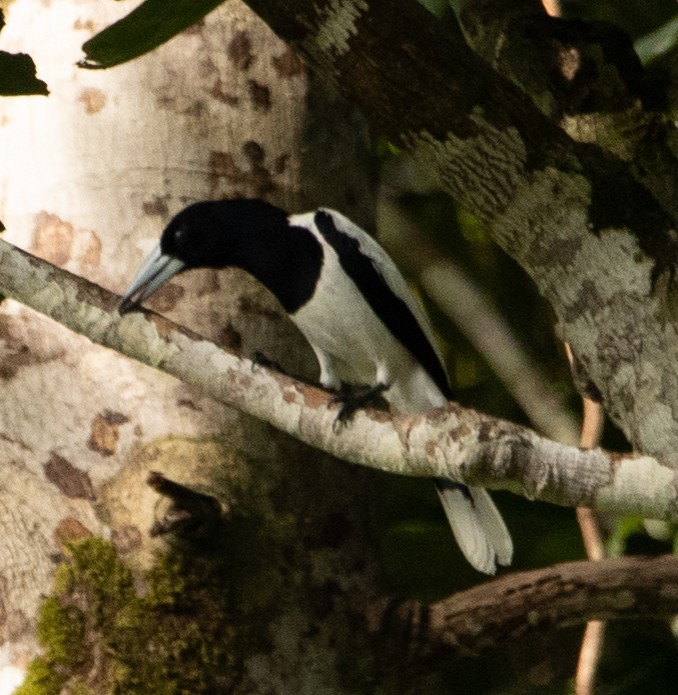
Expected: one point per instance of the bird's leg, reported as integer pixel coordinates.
(352, 397)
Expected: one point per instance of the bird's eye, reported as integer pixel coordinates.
(180, 234)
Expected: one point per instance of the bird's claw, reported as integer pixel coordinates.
(353, 397)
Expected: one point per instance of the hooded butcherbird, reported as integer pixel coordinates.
(353, 306)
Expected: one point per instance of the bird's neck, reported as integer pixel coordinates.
(285, 259)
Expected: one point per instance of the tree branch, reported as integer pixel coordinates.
(453, 442)
(560, 596)
(487, 616)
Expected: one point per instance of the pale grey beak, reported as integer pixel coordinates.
(157, 269)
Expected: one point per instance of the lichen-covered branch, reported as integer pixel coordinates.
(595, 240)
(453, 441)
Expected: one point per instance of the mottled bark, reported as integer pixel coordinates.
(585, 77)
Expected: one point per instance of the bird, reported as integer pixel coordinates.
(353, 306)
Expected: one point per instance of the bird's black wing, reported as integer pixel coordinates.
(393, 311)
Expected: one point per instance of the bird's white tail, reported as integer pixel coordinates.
(477, 525)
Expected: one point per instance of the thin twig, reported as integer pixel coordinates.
(552, 7)
(594, 635)
(593, 640)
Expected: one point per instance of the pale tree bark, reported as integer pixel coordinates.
(92, 174)
(586, 78)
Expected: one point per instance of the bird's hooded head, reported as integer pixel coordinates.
(212, 234)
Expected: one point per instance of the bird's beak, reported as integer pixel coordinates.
(156, 271)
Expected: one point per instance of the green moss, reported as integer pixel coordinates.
(204, 607)
(62, 628)
(41, 679)
(78, 687)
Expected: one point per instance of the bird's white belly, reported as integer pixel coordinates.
(365, 352)
(340, 323)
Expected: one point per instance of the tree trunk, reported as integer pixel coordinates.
(270, 600)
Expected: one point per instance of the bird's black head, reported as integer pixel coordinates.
(217, 234)
(248, 234)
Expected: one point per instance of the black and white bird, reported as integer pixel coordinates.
(353, 306)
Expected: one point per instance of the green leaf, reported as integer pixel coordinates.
(17, 73)
(148, 26)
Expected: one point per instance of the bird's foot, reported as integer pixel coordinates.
(352, 397)
(191, 513)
